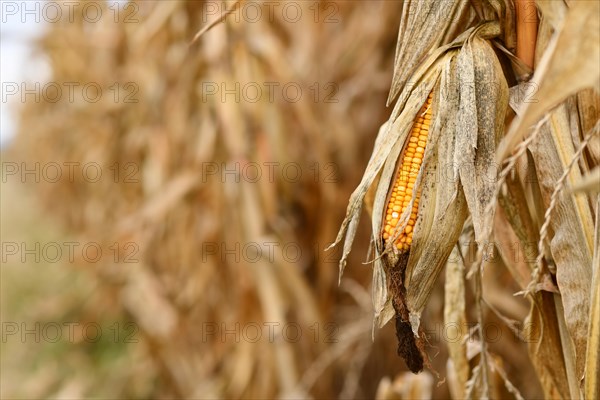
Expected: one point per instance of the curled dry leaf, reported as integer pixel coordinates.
(569, 65)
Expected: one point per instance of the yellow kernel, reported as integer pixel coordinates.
(404, 186)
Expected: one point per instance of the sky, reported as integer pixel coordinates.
(22, 21)
(18, 64)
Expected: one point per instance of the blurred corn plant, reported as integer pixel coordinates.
(167, 196)
(431, 183)
(200, 242)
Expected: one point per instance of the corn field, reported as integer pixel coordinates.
(303, 200)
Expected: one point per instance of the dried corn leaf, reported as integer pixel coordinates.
(570, 64)
(454, 315)
(504, 232)
(571, 245)
(588, 106)
(567, 349)
(592, 379)
(544, 344)
(553, 11)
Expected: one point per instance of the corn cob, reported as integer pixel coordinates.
(406, 176)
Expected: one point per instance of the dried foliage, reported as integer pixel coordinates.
(509, 195)
(470, 116)
(212, 249)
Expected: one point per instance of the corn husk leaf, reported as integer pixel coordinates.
(406, 386)
(442, 209)
(383, 307)
(389, 136)
(409, 102)
(480, 124)
(423, 26)
(475, 120)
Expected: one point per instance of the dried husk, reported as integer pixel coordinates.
(465, 116)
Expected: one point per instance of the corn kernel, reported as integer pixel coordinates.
(405, 180)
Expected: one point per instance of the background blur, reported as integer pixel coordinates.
(166, 204)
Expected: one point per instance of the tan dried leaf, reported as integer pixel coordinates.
(592, 363)
(553, 11)
(543, 340)
(454, 315)
(571, 222)
(570, 64)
